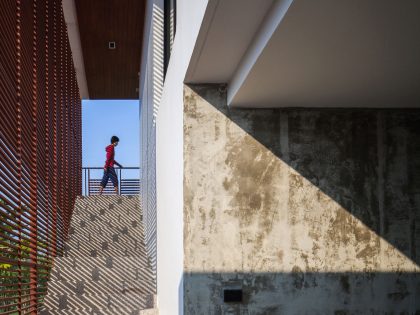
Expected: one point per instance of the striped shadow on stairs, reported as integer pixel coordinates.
(105, 269)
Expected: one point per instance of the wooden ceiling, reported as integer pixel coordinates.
(111, 74)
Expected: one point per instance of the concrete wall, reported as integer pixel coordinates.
(309, 211)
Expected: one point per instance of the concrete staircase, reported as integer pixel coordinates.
(105, 269)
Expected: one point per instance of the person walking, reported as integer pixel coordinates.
(109, 170)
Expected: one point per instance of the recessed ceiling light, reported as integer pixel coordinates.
(111, 45)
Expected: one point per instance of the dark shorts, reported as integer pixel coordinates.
(109, 174)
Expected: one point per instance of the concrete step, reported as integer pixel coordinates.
(107, 234)
(103, 249)
(98, 202)
(114, 235)
(134, 233)
(88, 311)
(103, 252)
(96, 225)
(81, 287)
(69, 303)
(118, 274)
(90, 263)
(96, 241)
(149, 311)
(131, 213)
(106, 227)
(106, 216)
(105, 210)
(99, 262)
(96, 198)
(95, 311)
(153, 310)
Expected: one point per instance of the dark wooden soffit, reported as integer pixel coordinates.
(111, 74)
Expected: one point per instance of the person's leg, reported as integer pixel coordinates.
(104, 181)
(114, 178)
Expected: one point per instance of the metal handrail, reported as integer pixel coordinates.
(87, 180)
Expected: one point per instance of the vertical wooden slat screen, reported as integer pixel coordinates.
(40, 148)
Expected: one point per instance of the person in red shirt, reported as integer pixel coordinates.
(109, 170)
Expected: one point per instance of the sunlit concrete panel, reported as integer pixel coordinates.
(308, 212)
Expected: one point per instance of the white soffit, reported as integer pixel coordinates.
(226, 32)
(330, 53)
(70, 16)
(307, 53)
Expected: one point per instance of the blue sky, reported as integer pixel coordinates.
(101, 119)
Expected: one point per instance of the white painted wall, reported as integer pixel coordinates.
(169, 145)
(169, 160)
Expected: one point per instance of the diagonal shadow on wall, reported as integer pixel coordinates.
(367, 160)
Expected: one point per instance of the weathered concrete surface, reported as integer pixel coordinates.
(309, 211)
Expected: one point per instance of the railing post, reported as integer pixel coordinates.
(88, 182)
(84, 180)
(119, 186)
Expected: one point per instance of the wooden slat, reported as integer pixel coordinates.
(40, 144)
(111, 74)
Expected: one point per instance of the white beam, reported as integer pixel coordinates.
(70, 16)
(270, 24)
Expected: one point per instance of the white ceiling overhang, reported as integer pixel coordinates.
(306, 53)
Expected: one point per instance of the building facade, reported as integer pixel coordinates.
(279, 155)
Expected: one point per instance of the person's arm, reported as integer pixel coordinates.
(119, 165)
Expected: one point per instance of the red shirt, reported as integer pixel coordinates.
(110, 153)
